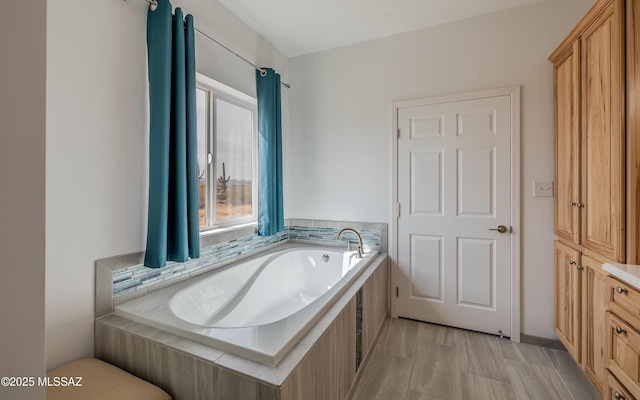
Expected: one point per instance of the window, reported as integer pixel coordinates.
(227, 155)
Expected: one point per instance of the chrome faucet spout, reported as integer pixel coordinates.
(360, 253)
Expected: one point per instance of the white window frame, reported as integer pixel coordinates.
(225, 93)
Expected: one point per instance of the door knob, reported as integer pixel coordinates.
(500, 228)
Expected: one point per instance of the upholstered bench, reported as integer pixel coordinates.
(100, 381)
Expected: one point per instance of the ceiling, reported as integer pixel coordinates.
(298, 27)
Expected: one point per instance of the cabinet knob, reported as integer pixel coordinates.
(571, 204)
(618, 396)
(578, 266)
(621, 290)
(619, 330)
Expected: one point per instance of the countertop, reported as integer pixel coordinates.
(627, 272)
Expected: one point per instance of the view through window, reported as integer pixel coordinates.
(226, 155)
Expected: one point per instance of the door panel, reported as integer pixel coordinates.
(426, 267)
(426, 166)
(476, 180)
(454, 189)
(476, 273)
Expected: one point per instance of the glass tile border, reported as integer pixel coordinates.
(128, 279)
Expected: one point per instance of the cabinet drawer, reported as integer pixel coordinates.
(616, 391)
(624, 300)
(623, 353)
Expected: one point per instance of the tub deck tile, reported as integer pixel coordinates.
(250, 368)
(148, 332)
(115, 321)
(195, 349)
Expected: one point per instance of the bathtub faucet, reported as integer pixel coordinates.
(360, 247)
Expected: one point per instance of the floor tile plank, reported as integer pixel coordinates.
(435, 371)
(386, 377)
(523, 352)
(422, 396)
(577, 383)
(482, 357)
(415, 360)
(478, 387)
(432, 333)
(399, 337)
(536, 383)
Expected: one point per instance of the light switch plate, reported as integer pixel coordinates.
(542, 189)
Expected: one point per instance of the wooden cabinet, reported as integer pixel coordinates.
(567, 144)
(595, 291)
(581, 292)
(603, 133)
(632, 28)
(624, 301)
(623, 339)
(623, 355)
(590, 133)
(597, 180)
(615, 391)
(568, 298)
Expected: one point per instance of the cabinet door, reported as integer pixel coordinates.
(603, 157)
(567, 144)
(594, 331)
(616, 391)
(623, 353)
(567, 297)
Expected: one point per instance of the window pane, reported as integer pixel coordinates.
(201, 105)
(234, 134)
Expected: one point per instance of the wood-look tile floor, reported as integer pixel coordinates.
(419, 361)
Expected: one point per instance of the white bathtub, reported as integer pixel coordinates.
(258, 308)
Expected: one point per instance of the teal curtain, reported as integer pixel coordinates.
(270, 204)
(172, 225)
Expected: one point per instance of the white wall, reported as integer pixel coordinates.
(337, 158)
(96, 148)
(22, 188)
(340, 135)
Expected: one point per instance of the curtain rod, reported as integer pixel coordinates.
(153, 5)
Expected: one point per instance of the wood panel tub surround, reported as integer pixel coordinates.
(191, 371)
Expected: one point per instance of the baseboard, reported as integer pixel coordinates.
(544, 342)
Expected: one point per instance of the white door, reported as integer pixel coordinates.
(455, 208)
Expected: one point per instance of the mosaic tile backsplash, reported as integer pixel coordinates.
(130, 279)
